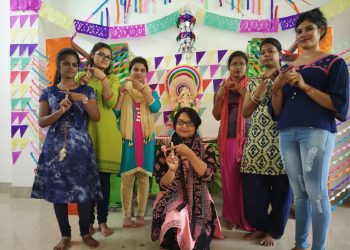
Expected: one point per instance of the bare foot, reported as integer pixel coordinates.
(105, 230)
(140, 221)
(91, 229)
(90, 242)
(63, 244)
(254, 235)
(127, 223)
(268, 241)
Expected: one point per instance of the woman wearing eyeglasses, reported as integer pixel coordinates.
(184, 214)
(105, 137)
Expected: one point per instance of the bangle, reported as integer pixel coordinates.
(109, 97)
(104, 78)
(85, 100)
(255, 99)
(309, 88)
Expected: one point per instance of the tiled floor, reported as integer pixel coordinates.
(31, 224)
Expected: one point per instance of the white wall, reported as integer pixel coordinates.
(161, 44)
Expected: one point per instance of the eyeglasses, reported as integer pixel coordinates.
(189, 124)
(103, 56)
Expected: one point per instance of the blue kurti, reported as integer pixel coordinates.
(128, 164)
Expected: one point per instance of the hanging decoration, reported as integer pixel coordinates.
(186, 37)
(23, 5)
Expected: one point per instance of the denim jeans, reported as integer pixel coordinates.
(306, 154)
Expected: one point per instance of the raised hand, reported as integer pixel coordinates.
(172, 160)
(272, 74)
(65, 104)
(96, 73)
(74, 97)
(136, 84)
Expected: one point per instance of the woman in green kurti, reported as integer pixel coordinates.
(105, 137)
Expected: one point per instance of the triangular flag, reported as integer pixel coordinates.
(167, 60)
(14, 89)
(14, 129)
(178, 58)
(153, 86)
(165, 100)
(19, 115)
(24, 75)
(206, 83)
(24, 62)
(213, 69)
(13, 76)
(33, 18)
(14, 35)
(33, 35)
(13, 20)
(13, 48)
(14, 103)
(24, 102)
(14, 62)
(166, 116)
(203, 69)
(210, 57)
(221, 54)
(217, 83)
(22, 48)
(15, 156)
(23, 143)
(199, 56)
(201, 111)
(156, 116)
(161, 88)
(23, 129)
(157, 61)
(23, 89)
(223, 70)
(149, 76)
(31, 48)
(199, 96)
(23, 20)
(14, 143)
(160, 75)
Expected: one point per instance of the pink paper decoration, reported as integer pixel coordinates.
(267, 25)
(23, 5)
(118, 32)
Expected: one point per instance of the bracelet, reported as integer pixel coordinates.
(104, 78)
(109, 97)
(85, 100)
(309, 88)
(255, 99)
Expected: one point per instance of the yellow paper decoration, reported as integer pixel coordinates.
(56, 17)
(334, 8)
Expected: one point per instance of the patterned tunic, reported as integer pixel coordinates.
(75, 178)
(261, 151)
(188, 192)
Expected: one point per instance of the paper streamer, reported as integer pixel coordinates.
(334, 207)
(331, 179)
(288, 22)
(221, 22)
(163, 23)
(339, 185)
(91, 29)
(267, 25)
(341, 149)
(56, 17)
(23, 5)
(127, 31)
(333, 170)
(338, 194)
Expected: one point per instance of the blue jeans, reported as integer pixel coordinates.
(306, 154)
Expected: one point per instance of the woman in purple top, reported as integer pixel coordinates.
(307, 97)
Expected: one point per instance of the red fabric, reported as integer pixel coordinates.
(240, 131)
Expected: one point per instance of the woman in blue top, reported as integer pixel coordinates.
(307, 97)
(67, 170)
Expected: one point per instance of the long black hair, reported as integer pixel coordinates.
(316, 17)
(96, 47)
(59, 57)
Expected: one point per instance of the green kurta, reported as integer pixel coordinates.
(105, 137)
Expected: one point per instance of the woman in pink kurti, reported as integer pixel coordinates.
(228, 109)
(184, 215)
